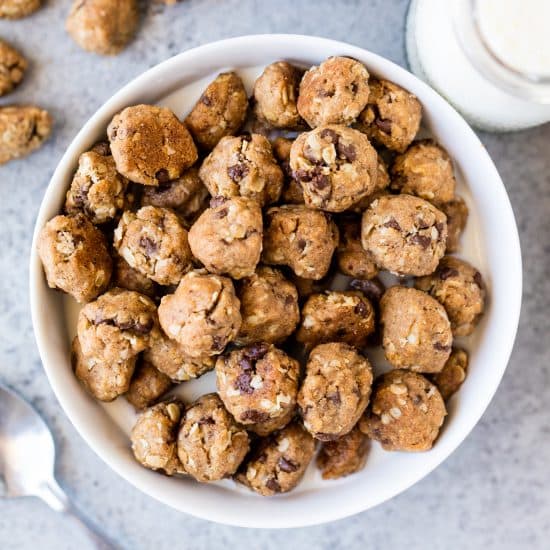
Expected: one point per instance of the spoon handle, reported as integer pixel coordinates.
(52, 494)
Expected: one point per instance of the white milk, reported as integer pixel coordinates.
(496, 73)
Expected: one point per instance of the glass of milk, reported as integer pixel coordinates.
(489, 58)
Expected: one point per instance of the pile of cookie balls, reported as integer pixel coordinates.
(194, 246)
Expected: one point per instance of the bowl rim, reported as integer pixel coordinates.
(506, 322)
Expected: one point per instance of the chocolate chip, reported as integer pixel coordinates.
(217, 201)
(320, 181)
(440, 226)
(361, 309)
(237, 172)
(255, 416)
(421, 240)
(273, 485)
(219, 214)
(334, 397)
(392, 222)
(162, 176)
(446, 272)
(383, 124)
(102, 148)
(329, 135)
(218, 343)
(301, 175)
(354, 88)
(286, 465)
(441, 347)
(301, 244)
(256, 351)
(347, 152)
(372, 289)
(148, 244)
(206, 100)
(478, 279)
(206, 420)
(243, 383)
(246, 364)
(132, 325)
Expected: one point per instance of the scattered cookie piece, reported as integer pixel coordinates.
(12, 68)
(16, 9)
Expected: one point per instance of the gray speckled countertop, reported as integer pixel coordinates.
(492, 493)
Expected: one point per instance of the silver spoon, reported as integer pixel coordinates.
(27, 457)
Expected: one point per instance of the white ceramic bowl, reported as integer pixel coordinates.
(491, 242)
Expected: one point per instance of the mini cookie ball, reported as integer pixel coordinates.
(335, 92)
(129, 278)
(457, 216)
(416, 333)
(22, 131)
(202, 315)
(278, 462)
(220, 111)
(153, 241)
(104, 380)
(118, 325)
(211, 445)
(244, 166)
(150, 145)
(257, 383)
(406, 412)
(97, 189)
(271, 425)
(404, 234)
(335, 391)
(301, 238)
(227, 237)
(15, 9)
(275, 94)
(103, 26)
(154, 437)
(425, 170)
(292, 192)
(147, 386)
(75, 257)
(12, 68)
(353, 260)
(269, 307)
(344, 456)
(186, 195)
(449, 380)
(459, 287)
(392, 115)
(336, 316)
(168, 357)
(335, 166)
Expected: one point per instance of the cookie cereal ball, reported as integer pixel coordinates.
(16, 9)
(202, 315)
(154, 242)
(243, 166)
(275, 94)
(425, 170)
(406, 413)
(269, 307)
(150, 145)
(186, 195)
(404, 234)
(227, 237)
(168, 357)
(147, 386)
(211, 445)
(154, 436)
(335, 92)
(23, 129)
(459, 287)
(12, 68)
(278, 462)
(449, 380)
(97, 189)
(416, 332)
(392, 115)
(103, 26)
(220, 111)
(103, 380)
(336, 167)
(336, 316)
(75, 257)
(335, 391)
(117, 326)
(301, 238)
(257, 383)
(457, 216)
(343, 456)
(353, 260)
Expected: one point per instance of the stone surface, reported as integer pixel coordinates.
(492, 493)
